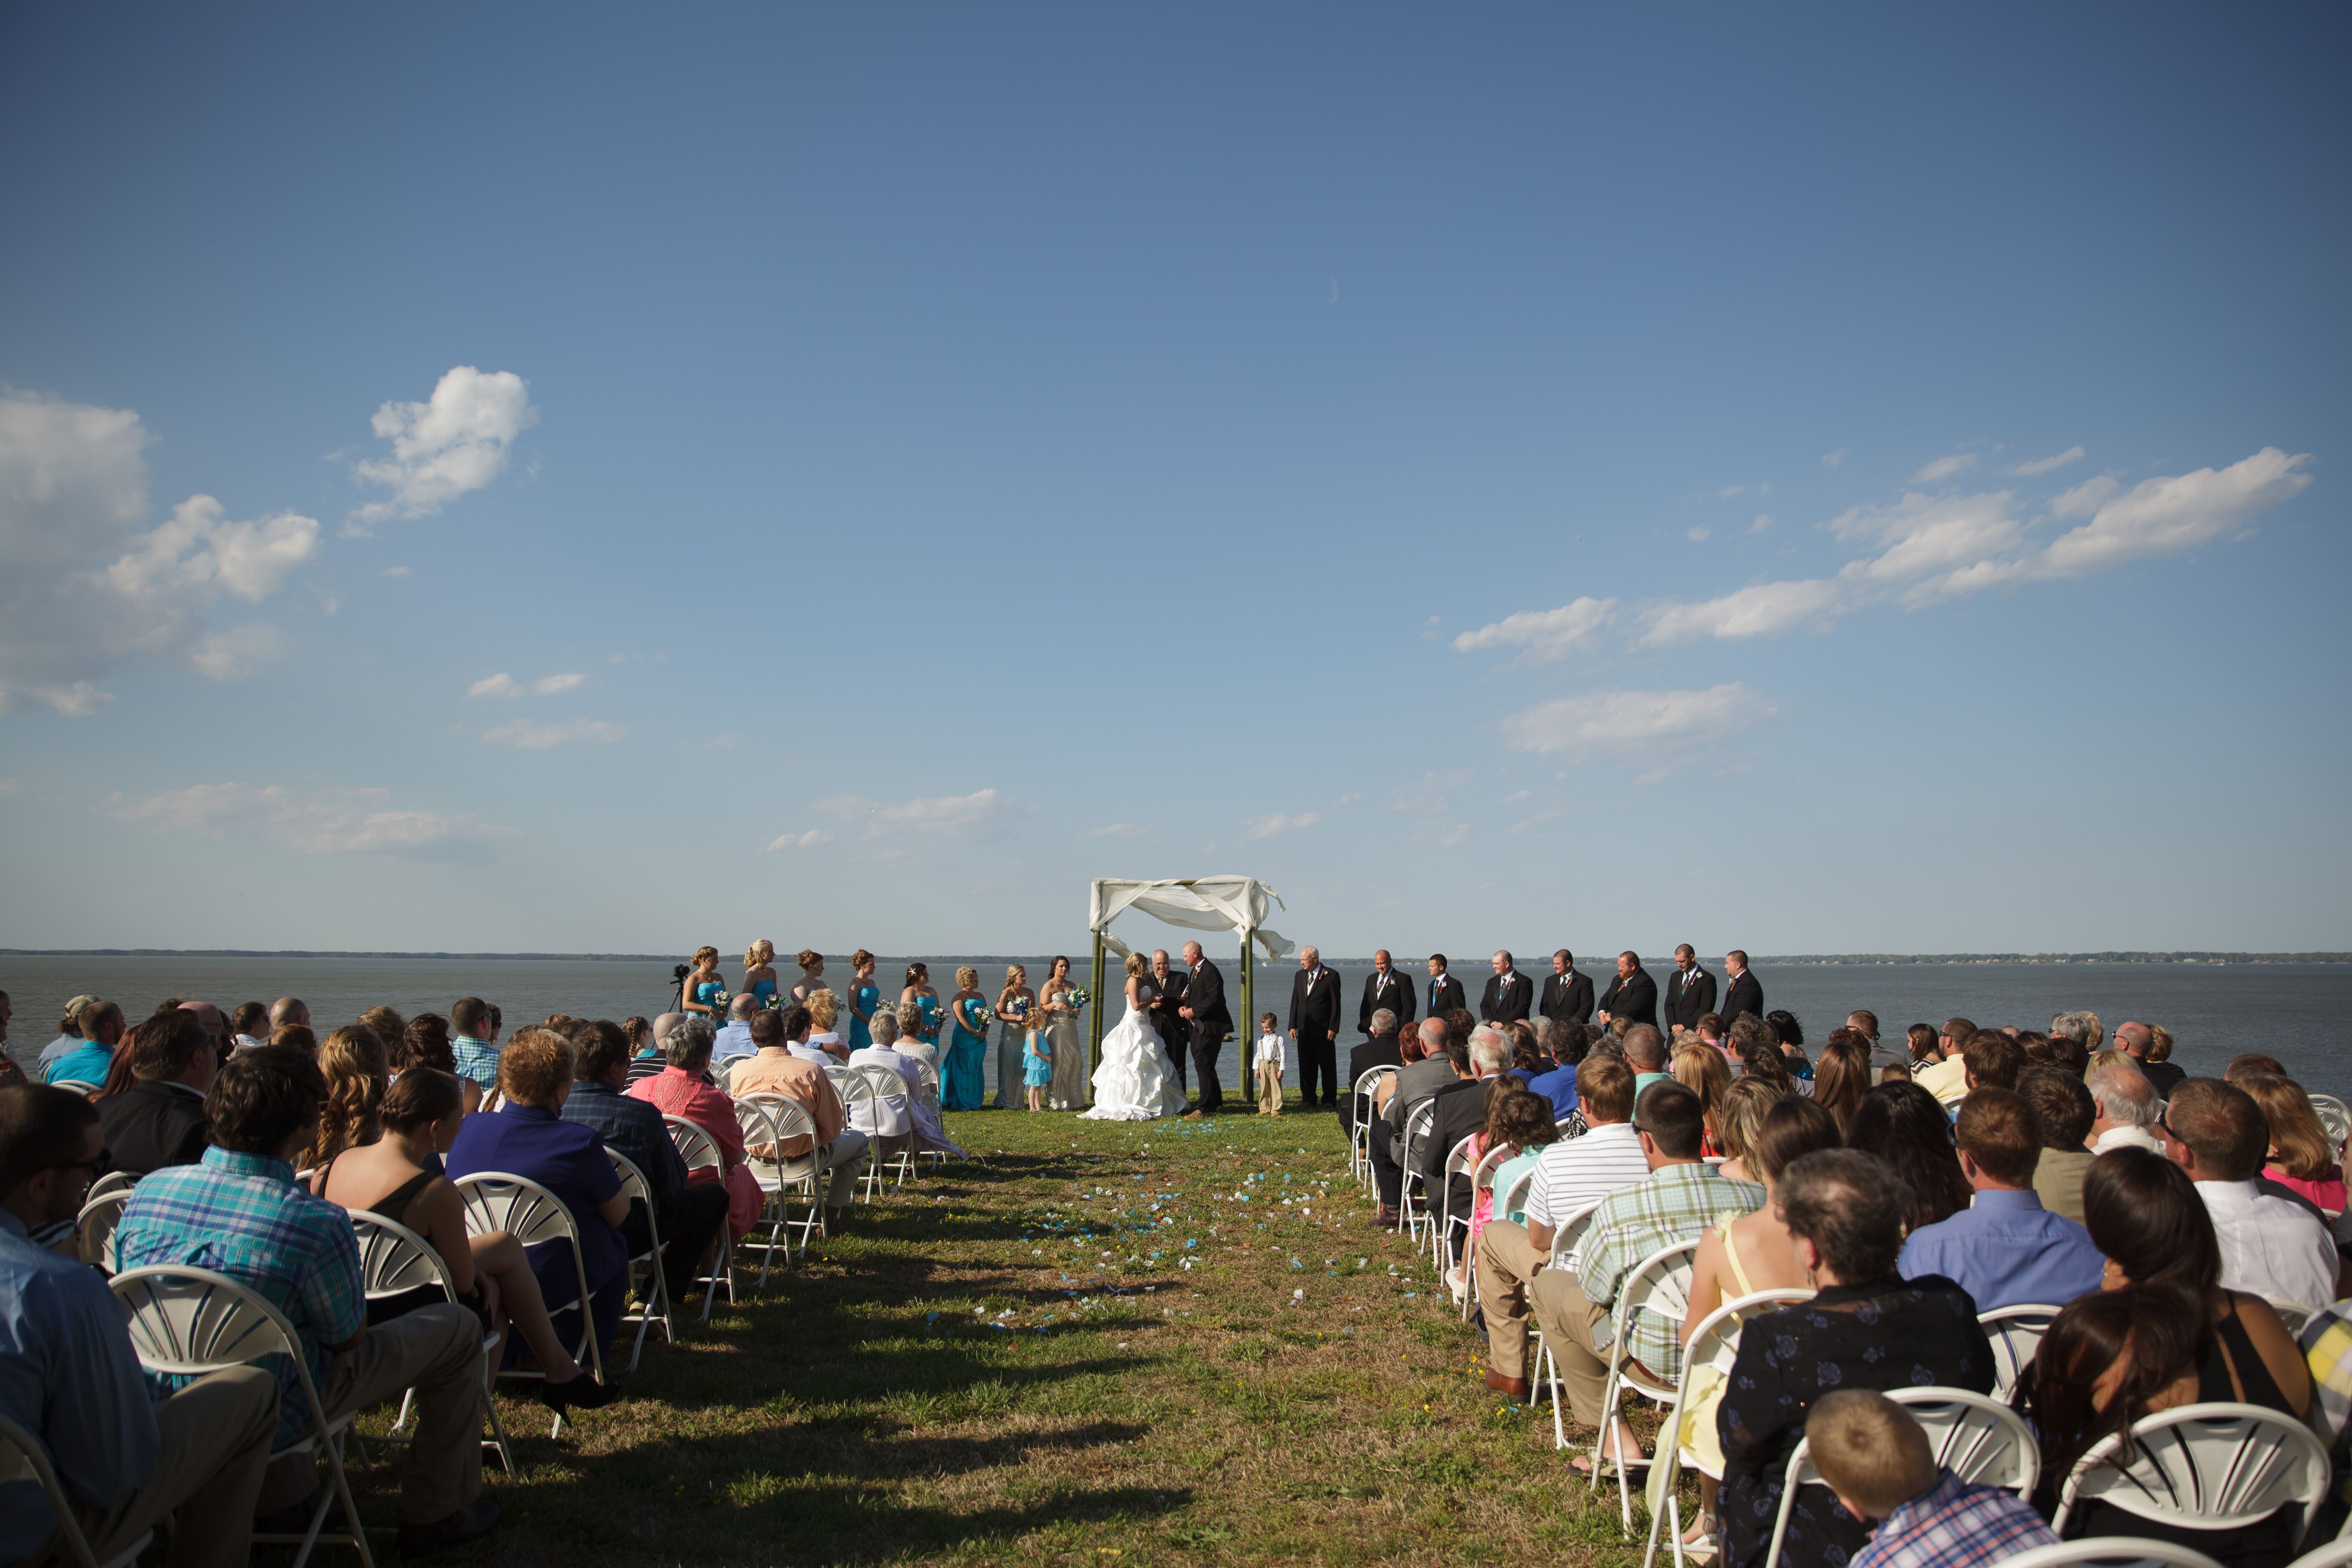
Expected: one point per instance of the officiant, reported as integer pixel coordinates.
(1175, 1033)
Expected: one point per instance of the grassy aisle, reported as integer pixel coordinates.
(1096, 1343)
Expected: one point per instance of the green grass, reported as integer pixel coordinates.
(1010, 1361)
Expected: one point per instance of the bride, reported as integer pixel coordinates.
(1134, 1083)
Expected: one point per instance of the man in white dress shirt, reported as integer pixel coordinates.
(2128, 1109)
(2270, 1247)
(885, 1121)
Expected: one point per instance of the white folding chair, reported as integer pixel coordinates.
(767, 1119)
(1564, 1238)
(1442, 1220)
(1482, 1175)
(1570, 1126)
(2116, 1551)
(1417, 1127)
(2336, 1117)
(1359, 1136)
(654, 1292)
(2015, 1334)
(18, 1446)
(890, 1094)
(2202, 1467)
(112, 1181)
(77, 1086)
(395, 1260)
(2336, 1553)
(497, 1200)
(855, 1090)
(1714, 1344)
(2294, 1315)
(94, 1228)
(1658, 1285)
(186, 1322)
(930, 1077)
(700, 1152)
(1976, 1438)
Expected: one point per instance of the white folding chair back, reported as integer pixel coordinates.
(1714, 1346)
(887, 1092)
(2117, 1552)
(700, 1152)
(1977, 1439)
(190, 1322)
(767, 1119)
(2336, 1553)
(2015, 1334)
(395, 1260)
(1564, 1239)
(1417, 1125)
(2336, 1117)
(95, 1227)
(647, 1264)
(1659, 1287)
(1482, 1178)
(850, 1084)
(2203, 1467)
(112, 1181)
(20, 1447)
(499, 1200)
(1359, 1136)
(1458, 1162)
(2294, 1316)
(1569, 1127)
(77, 1086)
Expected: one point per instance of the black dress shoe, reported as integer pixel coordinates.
(581, 1393)
(468, 1523)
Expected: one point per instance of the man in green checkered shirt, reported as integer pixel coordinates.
(1682, 1198)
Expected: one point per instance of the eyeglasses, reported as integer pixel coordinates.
(98, 1165)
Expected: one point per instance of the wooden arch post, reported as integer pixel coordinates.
(1094, 1049)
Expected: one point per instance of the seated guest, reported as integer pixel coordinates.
(1709, 1030)
(238, 1212)
(475, 1047)
(1761, 1056)
(689, 1214)
(399, 1177)
(160, 1119)
(2064, 1107)
(733, 1043)
(1681, 1199)
(2128, 1107)
(1947, 1077)
(1738, 1256)
(1843, 1076)
(1991, 1060)
(1867, 1328)
(93, 1059)
(2270, 1247)
(1527, 1059)
(889, 1049)
(655, 1057)
(1702, 1070)
(1874, 1457)
(1907, 1130)
(69, 1036)
(425, 1044)
(2138, 1041)
(1461, 1108)
(2247, 1064)
(68, 1375)
(353, 1062)
(1427, 1069)
(1645, 1053)
(2327, 1343)
(799, 1023)
(888, 1123)
(2302, 1158)
(527, 1137)
(683, 1089)
(839, 1148)
(1922, 1043)
(1380, 1050)
(912, 1021)
(249, 1027)
(388, 1026)
(824, 1015)
(1558, 1086)
(1511, 1123)
(2004, 1249)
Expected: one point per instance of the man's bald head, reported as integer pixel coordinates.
(1191, 953)
(1433, 1037)
(665, 1026)
(743, 1007)
(288, 1010)
(2134, 1039)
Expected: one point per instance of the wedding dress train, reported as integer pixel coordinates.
(1134, 1082)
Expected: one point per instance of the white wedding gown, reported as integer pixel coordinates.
(1134, 1082)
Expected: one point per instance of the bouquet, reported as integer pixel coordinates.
(1076, 997)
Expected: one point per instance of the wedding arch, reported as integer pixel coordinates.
(1237, 904)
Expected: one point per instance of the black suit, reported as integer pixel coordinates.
(1175, 1034)
(1689, 997)
(1393, 991)
(1461, 1110)
(1506, 1001)
(1744, 996)
(1314, 1014)
(1633, 997)
(151, 1125)
(1205, 995)
(1380, 1051)
(1446, 994)
(1568, 998)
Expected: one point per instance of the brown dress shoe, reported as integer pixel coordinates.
(1517, 1387)
(1386, 1219)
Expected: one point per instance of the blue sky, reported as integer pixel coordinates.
(582, 478)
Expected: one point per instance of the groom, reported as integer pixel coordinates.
(1204, 1005)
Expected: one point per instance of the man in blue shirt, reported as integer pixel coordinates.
(1565, 1039)
(238, 1212)
(470, 1043)
(102, 1031)
(734, 1041)
(68, 1374)
(2005, 1248)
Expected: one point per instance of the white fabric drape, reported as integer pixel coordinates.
(1236, 904)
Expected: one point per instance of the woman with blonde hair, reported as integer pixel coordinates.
(962, 1082)
(1744, 1105)
(760, 970)
(1012, 1005)
(812, 978)
(825, 1012)
(2301, 1157)
(700, 992)
(1703, 1071)
(1134, 1082)
(357, 1069)
(865, 997)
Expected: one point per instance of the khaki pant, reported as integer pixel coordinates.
(216, 1443)
(1511, 1276)
(437, 1350)
(1270, 1088)
(844, 1160)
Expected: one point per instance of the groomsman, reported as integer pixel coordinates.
(1445, 993)
(1567, 990)
(1746, 995)
(1314, 1020)
(1690, 991)
(1508, 995)
(1633, 995)
(1384, 987)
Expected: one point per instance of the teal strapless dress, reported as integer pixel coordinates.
(708, 990)
(962, 1085)
(864, 998)
(765, 990)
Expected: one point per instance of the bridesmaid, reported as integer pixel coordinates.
(1068, 1090)
(865, 997)
(1013, 1008)
(700, 993)
(918, 991)
(962, 1087)
(811, 964)
(760, 970)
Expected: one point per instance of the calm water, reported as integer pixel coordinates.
(2295, 1012)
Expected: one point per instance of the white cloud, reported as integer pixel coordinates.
(1634, 724)
(1762, 610)
(1120, 830)
(1546, 635)
(1426, 794)
(2083, 498)
(81, 592)
(2166, 516)
(232, 654)
(532, 737)
(1763, 521)
(1834, 459)
(548, 685)
(1267, 827)
(354, 822)
(1727, 491)
(937, 815)
(1443, 834)
(455, 442)
(808, 840)
(2045, 465)
(505, 685)
(1943, 469)
(1700, 534)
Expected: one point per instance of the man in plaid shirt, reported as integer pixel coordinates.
(476, 1052)
(1682, 1198)
(238, 1212)
(1874, 1457)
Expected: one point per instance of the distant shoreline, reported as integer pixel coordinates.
(1762, 960)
